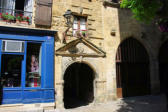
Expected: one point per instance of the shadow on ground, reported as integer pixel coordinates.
(143, 104)
(74, 103)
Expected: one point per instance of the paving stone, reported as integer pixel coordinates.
(132, 104)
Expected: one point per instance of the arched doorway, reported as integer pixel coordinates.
(163, 66)
(132, 69)
(78, 85)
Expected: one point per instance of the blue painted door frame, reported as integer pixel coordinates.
(23, 94)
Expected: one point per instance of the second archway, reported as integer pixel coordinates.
(132, 69)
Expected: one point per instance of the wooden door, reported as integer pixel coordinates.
(132, 69)
(163, 67)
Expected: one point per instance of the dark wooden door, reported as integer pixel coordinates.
(163, 67)
(132, 69)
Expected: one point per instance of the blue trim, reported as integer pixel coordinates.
(29, 101)
(43, 94)
(23, 77)
(26, 31)
(49, 63)
(14, 88)
(0, 57)
(43, 65)
(25, 37)
(37, 88)
(12, 53)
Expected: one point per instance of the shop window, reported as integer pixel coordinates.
(80, 26)
(11, 70)
(11, 64)
(26, 69)
(33, 69)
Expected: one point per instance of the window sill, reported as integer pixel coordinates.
(21, 24)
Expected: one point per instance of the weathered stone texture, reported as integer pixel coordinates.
(107, 27)
(102, 21)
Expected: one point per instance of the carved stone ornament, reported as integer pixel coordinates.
(80, 47)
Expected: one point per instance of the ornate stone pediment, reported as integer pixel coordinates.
(80, 47)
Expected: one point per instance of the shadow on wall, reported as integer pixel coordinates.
(127, 27)
(143, 104)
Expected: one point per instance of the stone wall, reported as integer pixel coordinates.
(93, 11)
(108, 27)
(122, 23)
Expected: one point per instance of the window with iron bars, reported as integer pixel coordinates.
(16, 10)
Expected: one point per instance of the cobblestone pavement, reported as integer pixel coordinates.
(133, 104)
(150, 103)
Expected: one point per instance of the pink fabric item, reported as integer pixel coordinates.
(34, 64)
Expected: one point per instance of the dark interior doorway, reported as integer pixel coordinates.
(78, 85)
(132, 69)
(19, 5)
(163, 67)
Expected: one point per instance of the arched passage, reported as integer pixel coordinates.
(78, 85)
(163, 66)
(132, 69)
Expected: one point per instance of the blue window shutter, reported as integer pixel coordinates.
(48, 68)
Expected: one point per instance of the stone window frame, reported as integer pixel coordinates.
(79, 25)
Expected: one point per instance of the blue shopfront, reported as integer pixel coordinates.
(27, 65)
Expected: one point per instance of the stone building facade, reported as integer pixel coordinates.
(107, 27)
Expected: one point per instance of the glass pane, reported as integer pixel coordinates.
(33, 68)
(82, 27)
(82, 21)
(11, 70)
(75, 20)
(75, 26)
(74, 32)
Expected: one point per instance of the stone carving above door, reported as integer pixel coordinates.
(80, 47)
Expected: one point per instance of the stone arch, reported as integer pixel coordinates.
(79, 85)
(147, 48)
(131, 56)
(69, 62)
